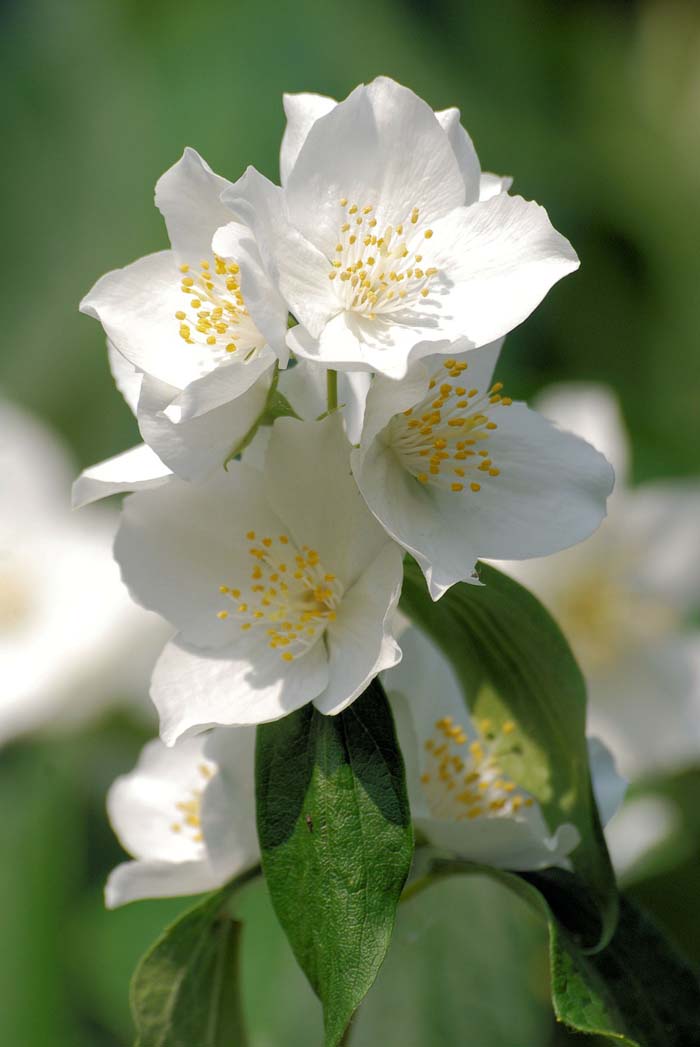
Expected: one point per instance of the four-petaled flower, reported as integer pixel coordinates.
(381, 241)
(454, 470)
(281, 583)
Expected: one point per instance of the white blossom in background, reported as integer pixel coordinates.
(71, 640)
(379, 240)
(461, 798)
(184, 349)
(456, 471)
(186, 815)
(280, 582)
(624, 598)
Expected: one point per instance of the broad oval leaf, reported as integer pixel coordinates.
(336, 841)
(185, 990)
(514, 664)
(638, 991)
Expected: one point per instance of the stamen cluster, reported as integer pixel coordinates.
(289, 592)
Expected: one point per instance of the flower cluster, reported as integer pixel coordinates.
(311, 366)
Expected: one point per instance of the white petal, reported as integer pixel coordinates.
(136, 469)
(593, 413)
(492, 184)
(450, 121)
(500, 256)
(133, 881)
(647, 707)
(228, 804)
(645, 824)
(194, 447)
(426, 680)
(263, 301)
(126, 378)
(143, 804)
(222, 386)
(505, 843)
(243, 683)
(302, 112)
(178, 544)
(609, 787)
(310, 486)
(550, 493)
(661, 524)
(355, 343)
(358, 151)
(360, 642)
(188, 196)
(136, 306)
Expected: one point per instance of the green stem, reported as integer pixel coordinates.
(332, 389)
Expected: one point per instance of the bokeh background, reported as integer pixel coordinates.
(595, 109)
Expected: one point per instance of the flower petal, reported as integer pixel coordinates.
(465, 153)
(228, 804)
(493, 184)
(133, 881)
(194, 447)
(188, 196)
(136, 469)
(550, 493)
(242, 683)
(143, 804)
(505, 843)
(501, 257)
(136, 306)
(310, 486)
(302, 112)
(358, 151)
(360, 641)
(263, 301)
(609, 787)
(126, 378)
(593, 413)
(178, 544)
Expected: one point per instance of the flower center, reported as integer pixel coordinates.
(189, 810)
(379, 271)
(289, 593)
(214, 315)
(463, 780)
(439, 439)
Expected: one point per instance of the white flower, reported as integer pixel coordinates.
(187, 815)
(180, 320)
(280, 582)
(461, 798)
(624, 599)
(379, 241)
(140, 468)
(70, 637)
(455, 471)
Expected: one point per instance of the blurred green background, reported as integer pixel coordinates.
(595, 110)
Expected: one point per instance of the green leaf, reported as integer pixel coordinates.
(336, 840)
(514, 664)
(638, 991)
(185, 990)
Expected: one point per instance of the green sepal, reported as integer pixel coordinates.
(515, 665)
(336, 841)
